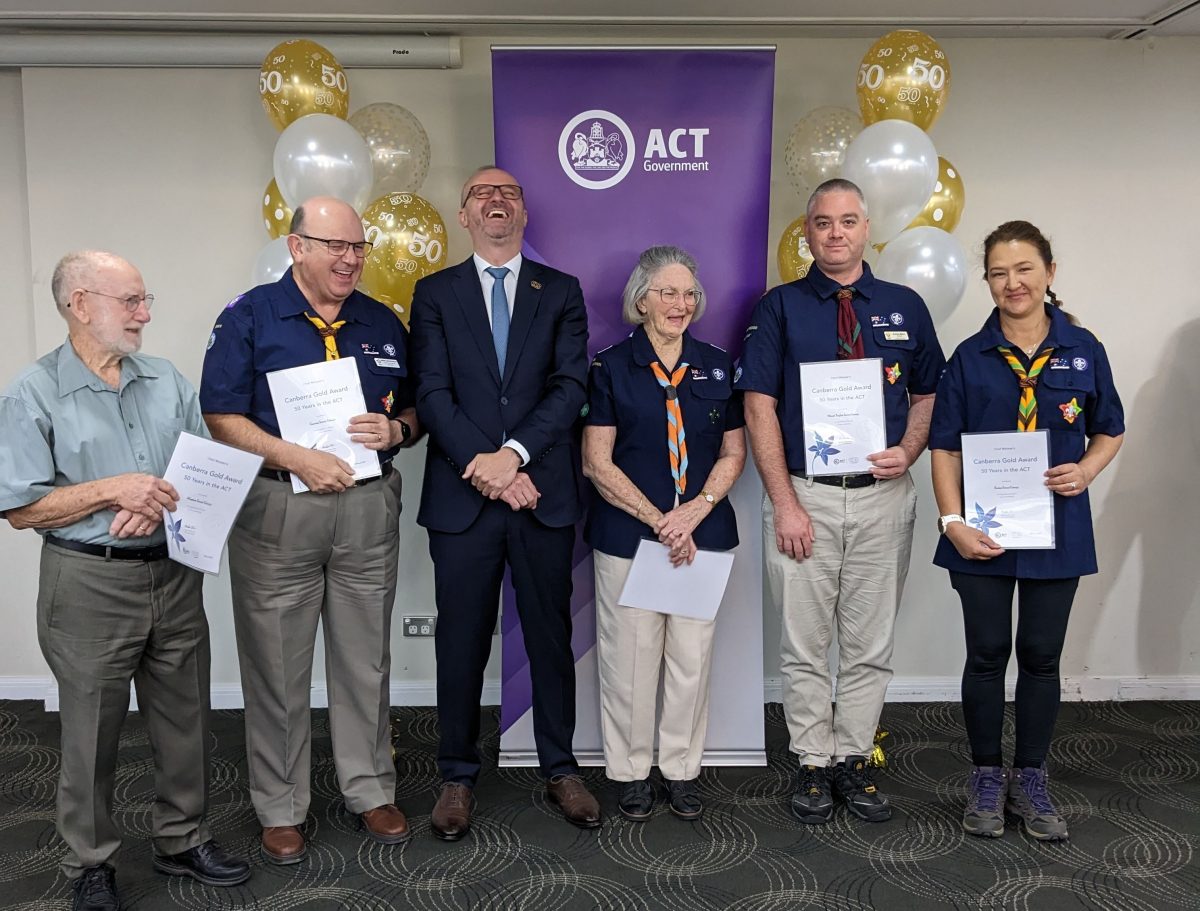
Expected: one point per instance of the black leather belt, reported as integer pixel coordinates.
(144, 554)
(274, 474)
(845, 481)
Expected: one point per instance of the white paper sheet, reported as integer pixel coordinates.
(1004, 488)
(842, 402)
(692, 590)
(213, 480)
(314, 405)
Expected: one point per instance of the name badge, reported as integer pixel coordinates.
(386, 362)
(901, 336)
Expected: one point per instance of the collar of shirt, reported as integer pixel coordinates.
(643, 351)
(74, 374)
(510, 281)
(1061, 335)
(826, 288)
(294, 303)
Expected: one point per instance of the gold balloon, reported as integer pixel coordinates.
(300, 77)
(904, 76)
(277, 216)
(945, 206)
(794, 257)
(409, 240)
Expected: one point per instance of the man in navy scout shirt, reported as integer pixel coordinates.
(330, 553)
(837, 548)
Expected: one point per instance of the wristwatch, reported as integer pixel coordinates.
(707, 497)
(405, 431)
(945, 522)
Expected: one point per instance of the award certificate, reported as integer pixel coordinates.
(314, 405)
(213, 480)
(842, 402)
(690, 590)
(1004, 488)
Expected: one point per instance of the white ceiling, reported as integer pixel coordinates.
(624, 19)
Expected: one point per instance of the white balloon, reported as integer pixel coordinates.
(895, 164)
(932, 263)
(322, 155)
(273, 260)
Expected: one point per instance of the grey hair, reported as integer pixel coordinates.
(71, 273)
(651, 260)
(297, 225)
(835, 185)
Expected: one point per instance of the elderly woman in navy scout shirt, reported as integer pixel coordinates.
(663, 445)
(1025, 343)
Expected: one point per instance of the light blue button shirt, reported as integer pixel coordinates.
(63, 425)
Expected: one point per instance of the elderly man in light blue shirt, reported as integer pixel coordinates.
(88, 432)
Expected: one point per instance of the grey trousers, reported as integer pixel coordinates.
(102, 623)
(853, 581)
(295, 559)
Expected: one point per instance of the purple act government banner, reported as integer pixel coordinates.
(619, 150)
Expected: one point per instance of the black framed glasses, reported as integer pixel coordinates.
(485, 190)
(132, 302)
(339, 247)
(670, 296)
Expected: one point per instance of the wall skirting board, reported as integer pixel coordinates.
(902, 689)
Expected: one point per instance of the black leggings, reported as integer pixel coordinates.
(1043, 608)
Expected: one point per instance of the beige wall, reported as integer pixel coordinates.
(1095, 141)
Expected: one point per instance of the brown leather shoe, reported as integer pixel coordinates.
(451, 816)
(283, 844)
(385, 824)
(577, 802)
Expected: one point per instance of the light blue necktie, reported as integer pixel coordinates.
(499, 314)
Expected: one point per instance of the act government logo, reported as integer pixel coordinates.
(596, 149)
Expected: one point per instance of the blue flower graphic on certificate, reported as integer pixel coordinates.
(823, 448)
(984, 520)
(175, 527)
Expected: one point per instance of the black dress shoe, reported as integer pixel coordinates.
(96, 890)
(685, 799)
(637, 800)
(205, 863)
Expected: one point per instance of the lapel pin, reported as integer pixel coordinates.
(536, 286)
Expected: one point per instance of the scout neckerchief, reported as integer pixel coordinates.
(1027, 407)
(850, 346)
(328, 332)
(676, 445)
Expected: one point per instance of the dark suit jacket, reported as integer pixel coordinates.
(468, 408)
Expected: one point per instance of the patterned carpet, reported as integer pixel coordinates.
(1126, 775)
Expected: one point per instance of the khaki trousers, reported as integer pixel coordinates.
(295, 559)
(853, 580)
(634, 646)
(102, 623)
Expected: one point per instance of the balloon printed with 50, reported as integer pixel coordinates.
(301, 77)
(904, 76)
(409, 239)
(794, 258)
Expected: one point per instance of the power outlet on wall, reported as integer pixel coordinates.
(418, 627)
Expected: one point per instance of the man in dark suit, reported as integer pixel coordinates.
(499, 347)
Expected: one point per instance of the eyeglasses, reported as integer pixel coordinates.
(132, 302)
(485, 190)
(669, 296)
(339, 247)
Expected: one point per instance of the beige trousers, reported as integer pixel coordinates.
(634, 647)
(852, 582)
(294, 559)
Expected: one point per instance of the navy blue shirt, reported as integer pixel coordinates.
(979, 393)
(265, 330)
(624, 393)
(797, 323)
